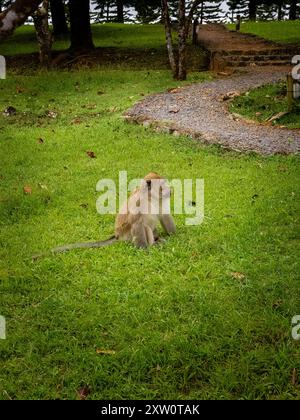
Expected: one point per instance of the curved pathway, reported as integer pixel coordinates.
(199, 111)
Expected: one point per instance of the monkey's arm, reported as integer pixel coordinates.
(167, 223)
(80, 245)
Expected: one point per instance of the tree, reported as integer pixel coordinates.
(294, 11)
(120, 11)
(43, 34)
(81, 33)
(252, 9)
(59, 21)
(15, 15)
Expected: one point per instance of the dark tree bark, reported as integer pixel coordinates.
(16, 15)
(293, 10)
(181, 41)
(81, 34)
(280, 4)
(43, 34)
(168, 32)
(120, 11)
(252, 10)
(59, 21)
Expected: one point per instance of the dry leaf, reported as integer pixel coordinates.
(76, 121)
(237, 275)
(40, 140)
(27, 189)
(294, 379)
(83, 392)
(91, 154)
(174, 109)
(103, 351)
(20, 89)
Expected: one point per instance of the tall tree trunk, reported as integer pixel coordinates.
(181, 41)
(293, 10)
(168, 31)
(58, 15)
(81, 34)
(202, 12)
(120, 11)
(43, 34)
(16, 15)
(279, 16)
(252, 9)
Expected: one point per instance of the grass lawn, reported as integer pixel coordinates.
(283, 31)
(262, 103)
(105, 35)
(205, 315)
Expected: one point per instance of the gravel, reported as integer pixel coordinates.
(199, 111)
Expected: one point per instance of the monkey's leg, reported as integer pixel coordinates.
(150, 235)
(167, 223)
(155, 235)
(139, 235)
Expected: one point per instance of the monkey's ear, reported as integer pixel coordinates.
(149, 184)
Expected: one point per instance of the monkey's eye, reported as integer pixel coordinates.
(148, 184)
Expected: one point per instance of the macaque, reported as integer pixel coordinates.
(137, 221)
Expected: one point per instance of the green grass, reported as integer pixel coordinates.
(262, 103)
(180, 323)
(283, 31)
(107, 35)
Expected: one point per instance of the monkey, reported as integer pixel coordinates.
(138, 218)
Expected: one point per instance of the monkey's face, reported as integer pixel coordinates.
(157, 189)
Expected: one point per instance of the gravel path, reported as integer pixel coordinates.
(199, 111)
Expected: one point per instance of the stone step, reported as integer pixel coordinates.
(257, 63)
(272, 51)
(259, 58)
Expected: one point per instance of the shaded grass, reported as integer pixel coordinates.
(181, 324)
(104, 35)
(264, 102)
(283, 31)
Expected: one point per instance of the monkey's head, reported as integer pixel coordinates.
(157, 185)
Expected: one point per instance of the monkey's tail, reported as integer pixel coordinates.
(80, 245)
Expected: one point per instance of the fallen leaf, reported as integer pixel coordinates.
(27, 189)
(103, 351)
(76, 121)
(40, 140)
(83, 392)
(237, 275)
(83, 205)
(174, 109)
(91, 154)
(230, 95)
(20, 89)
(294, 379)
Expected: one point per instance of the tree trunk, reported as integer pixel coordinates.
(16, 15)
(59, 21)
(81, 34)
(181, 41)
(279, 16)
(202, 12)
(43, 34)
(120, 11)
(293, 10)
(252, 10)
(168, 31)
